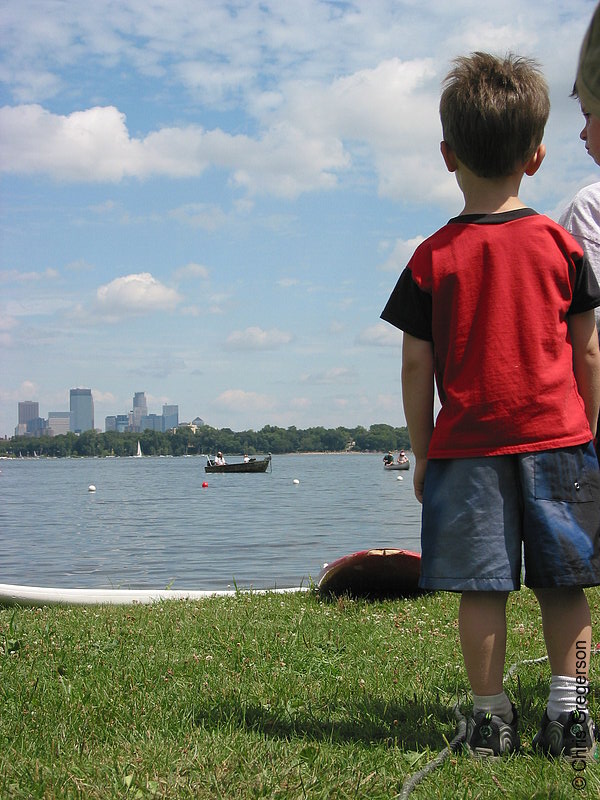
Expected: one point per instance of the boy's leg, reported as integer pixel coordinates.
(567, 625)
(482, 628)
(492, 728)
(567, 727)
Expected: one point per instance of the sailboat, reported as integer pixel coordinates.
(139, 451)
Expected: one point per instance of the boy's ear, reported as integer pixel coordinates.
(535, 162)
(449, 157)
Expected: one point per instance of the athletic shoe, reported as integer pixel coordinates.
(489, 735)
(573, 735)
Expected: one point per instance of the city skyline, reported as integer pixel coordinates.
(80, 416)
(216, 205)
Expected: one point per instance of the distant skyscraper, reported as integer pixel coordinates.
(28, 410)
(82, 410)
(37, 427)
(59, 422)
(170, 417)
(140, 409)
(122, 423)
(151, 422)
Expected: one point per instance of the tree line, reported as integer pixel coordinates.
(208, 440)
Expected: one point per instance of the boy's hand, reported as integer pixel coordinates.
(417, 391)
(419, 478)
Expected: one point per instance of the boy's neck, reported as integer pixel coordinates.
(489, 195)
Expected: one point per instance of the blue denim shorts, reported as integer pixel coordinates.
(481, 514)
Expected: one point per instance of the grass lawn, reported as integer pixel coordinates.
(261, 696)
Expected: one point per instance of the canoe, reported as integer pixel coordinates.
(372, 573)
(397, 465)
(253, 465)
(13, 595)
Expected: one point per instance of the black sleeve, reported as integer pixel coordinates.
(409, 308)
(586, 292)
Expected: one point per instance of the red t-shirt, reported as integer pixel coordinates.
(493, 292)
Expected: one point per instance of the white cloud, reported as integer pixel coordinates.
(401, 254)
(135, 294)
(191, 270)
(255, 338)
(190, 311)
(15, 276)
(389, 402)
(249, 401)
(380, 335)
(200, 215)
(7, 323)
(330, 376)
(95, 145)
(92, 145)
(319, 107)
(106, 398)
(285, 283)
(300, 403)
(27, 390)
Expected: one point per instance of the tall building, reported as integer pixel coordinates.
(151, 422)
(37, 427)
(82, 410)
(170, 417)
(59, 422)
(122, 423)
(140, 409)
(28, 410)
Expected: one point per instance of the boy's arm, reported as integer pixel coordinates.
(586, 363)
(417, 393)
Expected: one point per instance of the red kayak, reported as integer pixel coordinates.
(372, 573)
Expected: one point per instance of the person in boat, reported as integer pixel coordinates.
(246, 458)
(402, 457)
(515, 421)
(220, 460)
(389, 458)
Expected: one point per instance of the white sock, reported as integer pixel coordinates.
(567, 694)
(497, 704)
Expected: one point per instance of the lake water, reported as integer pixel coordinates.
(151, 524)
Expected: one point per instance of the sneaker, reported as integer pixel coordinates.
(573, 735)
(489, 735)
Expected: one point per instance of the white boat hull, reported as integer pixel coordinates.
(14, 595)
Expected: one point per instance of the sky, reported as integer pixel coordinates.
(211, 201)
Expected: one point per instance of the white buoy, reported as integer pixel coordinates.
(91, 488)
(399, 478)
(296, 481)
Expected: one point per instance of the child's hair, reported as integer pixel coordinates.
(493, 112)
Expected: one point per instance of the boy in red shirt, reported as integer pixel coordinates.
(498, 307)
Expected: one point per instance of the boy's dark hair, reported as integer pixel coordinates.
(493, 112)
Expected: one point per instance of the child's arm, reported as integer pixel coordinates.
(417, 393)
(586, 362)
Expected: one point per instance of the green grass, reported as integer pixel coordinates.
(259, 696)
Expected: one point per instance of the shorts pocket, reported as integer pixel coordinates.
(568, 475)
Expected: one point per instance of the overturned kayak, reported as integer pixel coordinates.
(374, 573)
